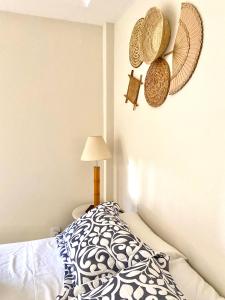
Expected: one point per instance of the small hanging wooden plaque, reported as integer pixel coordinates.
(133, 89)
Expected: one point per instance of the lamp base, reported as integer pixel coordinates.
(96, 186)
(90, 208)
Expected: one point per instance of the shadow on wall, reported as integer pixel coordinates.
(136, 181)
(221, 213)
(122, 195)
(172, 14)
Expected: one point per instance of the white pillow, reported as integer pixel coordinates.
(139, 228)
(191, 283)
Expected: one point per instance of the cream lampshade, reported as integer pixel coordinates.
(95, 149)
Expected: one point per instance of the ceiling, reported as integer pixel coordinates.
(97, 12)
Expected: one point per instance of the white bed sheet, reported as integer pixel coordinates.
(30, 270)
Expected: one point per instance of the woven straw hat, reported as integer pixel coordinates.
(135, 47)
(156, 35)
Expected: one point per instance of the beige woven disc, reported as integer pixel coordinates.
(187, 47)
(157, 82)
(135, 49)
(156, 35)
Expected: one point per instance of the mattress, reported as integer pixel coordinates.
(30, 270)
(34, 270)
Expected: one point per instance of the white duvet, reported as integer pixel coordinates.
(30, 270)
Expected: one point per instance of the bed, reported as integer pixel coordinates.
(30, 270)
(35, 271)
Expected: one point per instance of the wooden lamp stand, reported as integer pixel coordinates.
(96, 186)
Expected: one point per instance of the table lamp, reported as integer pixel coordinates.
(95, 149)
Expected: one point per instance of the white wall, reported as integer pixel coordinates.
(170, 160)
(108, 106)
(50, 101)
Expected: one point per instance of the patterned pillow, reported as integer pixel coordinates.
(111, 207)
(145, 280)
(70, 272)
(98, 246)
(69, 279)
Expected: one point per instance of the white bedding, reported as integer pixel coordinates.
(30, 270)
(34, 270)
(188, 280)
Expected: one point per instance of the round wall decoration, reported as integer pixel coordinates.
(156, 35)
(187, 48)
(157, 82)
(135, 49)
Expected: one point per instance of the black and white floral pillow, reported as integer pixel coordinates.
(145, 280)
(69, 279)
(99, 245)
(73, 240)
(74, 231)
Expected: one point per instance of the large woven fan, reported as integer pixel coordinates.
(187, 47)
